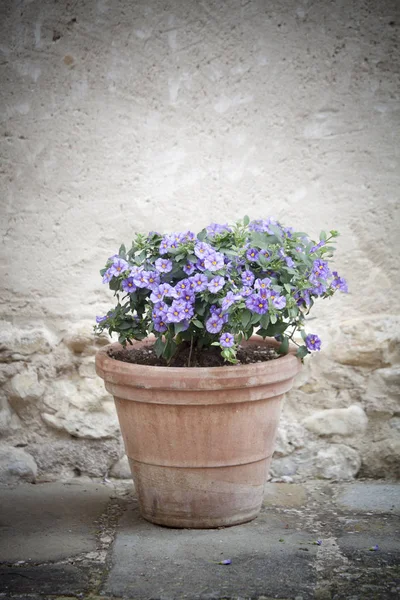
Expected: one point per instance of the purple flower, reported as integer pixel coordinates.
(163, 265)
(320, 269)
(215, 229)
(262, 284)
(247, 278)
(181, 288)
(101, 319)
(227, 561)
(118, 267)
(313, 342)
(141, 279)
(277, 300)
(202, 250)
(189, 268)
(257, 303)
(200, 266)
(266, 254)
(214, 324)
(216, 284)
(175, 312)
(198, 283)
(135, 270)
(107, 276)
(318, 543)
(159, 292)
(227, 340)
(128, 285)
(339, 283)
(160, 310)
(188, 310)
(318, 289)
(261, 225)
(164, 245)
(374, 548)
(289, 261)
(317, 246)
(160, 325)
(230, 299)
(153, 279)
(188, 236)
(303, 297)
(214, 262)
(246, 291)
(252, 254)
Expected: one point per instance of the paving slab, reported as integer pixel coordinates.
(156, 562)
(377, 497)
(50, 521)
(44, 579)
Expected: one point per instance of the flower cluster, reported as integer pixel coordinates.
(220, 286)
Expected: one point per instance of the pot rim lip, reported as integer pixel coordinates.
(252, 368)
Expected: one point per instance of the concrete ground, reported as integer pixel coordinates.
(86, 539)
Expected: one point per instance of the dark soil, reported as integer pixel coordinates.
(206, 357)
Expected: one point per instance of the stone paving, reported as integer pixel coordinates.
(85, 539)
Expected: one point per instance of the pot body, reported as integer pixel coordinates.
(199, 440)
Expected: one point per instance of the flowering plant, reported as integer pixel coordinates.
(219, 287)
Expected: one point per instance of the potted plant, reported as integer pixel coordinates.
(198, 395)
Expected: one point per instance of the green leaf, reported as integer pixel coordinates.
(302, 352)
(178, 327)
(246, 317)
(273, 318)
(198, 323)
(263, 332)
(263, 240)
(276, 231)
(284, 347)
(303, 334)
(169, 349)
(255, 319)
(180, 256)
(202, 235)
(159, 347)
(287, 287)
(264, 321)
(122, 251)
(322, 236)
(140, 257)
(246, 220)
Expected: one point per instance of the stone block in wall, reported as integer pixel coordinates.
(382, 392)
(94, 424)
(381, 459)
(63, 459)
(9, 421)
(340, 421)
(372, 342)
(25, 386)
(16, 465)
(18, 343)
(81, 339)
(121, 469)
(337, 461)
(290, 436)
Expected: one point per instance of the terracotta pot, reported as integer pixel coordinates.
(199, 440)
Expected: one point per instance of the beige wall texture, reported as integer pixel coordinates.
(118, 117)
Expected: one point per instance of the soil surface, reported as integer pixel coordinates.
(206, 357)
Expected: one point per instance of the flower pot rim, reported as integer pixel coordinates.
(289, 363)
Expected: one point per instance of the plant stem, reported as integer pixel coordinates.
(190, 352)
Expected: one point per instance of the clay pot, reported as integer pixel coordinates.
(199, 440)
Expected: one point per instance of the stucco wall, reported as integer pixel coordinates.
(119, 117)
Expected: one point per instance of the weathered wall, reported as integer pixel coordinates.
(119, 117)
